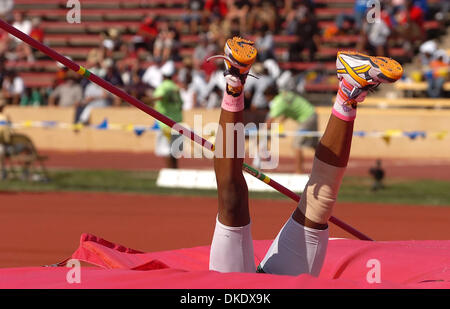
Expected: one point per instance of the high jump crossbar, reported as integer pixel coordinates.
(169, 122)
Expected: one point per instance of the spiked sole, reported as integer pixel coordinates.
(390, 70)
(241, 51)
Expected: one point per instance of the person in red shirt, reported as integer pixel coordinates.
(37, 32)
(146, 34)
(4, 42)
(217, 7)
(410, 26)
(440, 68)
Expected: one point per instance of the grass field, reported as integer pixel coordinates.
(354, 189)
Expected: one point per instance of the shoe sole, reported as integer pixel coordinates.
(390, 70)
(241, 51)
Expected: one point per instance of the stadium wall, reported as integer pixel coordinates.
(430, 121)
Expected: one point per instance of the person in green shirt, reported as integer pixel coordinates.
(289, 105)
(167, 101)
(5, 138)
(31, 97)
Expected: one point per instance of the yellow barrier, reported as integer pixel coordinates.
(369, 119)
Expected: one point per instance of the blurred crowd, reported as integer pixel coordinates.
(158, 41)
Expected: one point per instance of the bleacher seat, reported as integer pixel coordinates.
(75, 40)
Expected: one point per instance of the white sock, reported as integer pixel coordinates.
(232, 249)
(296, 250)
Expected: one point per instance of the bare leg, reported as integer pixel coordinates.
(301, 245)
(232, 189)
(232, 244)
(333, 149)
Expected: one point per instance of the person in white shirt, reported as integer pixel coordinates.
(94, 97)
(6, 7)
(22, 50)
(153, 75)
(12, 88)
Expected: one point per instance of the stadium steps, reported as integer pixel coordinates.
(93, 39)
(75, 40)
(113, 14)
(30, 4)
(44, 80)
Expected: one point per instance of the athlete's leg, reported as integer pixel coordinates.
(300, 247)
(232, 244)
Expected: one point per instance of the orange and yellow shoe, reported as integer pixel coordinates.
(361, 70)
(239, 56)
(363, 73)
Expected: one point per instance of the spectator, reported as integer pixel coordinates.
(273, 68)
(377, 173)
(217, 31)
(21, 49)
(442, 12)
(306, 29)
(375, 35)
(194, 15)
(138, 89)
(21, 24)
(423, 5)
(6, 8)
(67, 94)
(237, 14)
(3, 70)
(94, 97)
(193, 85)
(254, 88)
(37, 32)
(426, 52)
(410, 26)
(12, 88)
(130, 62)
(112, 40)
(262, 11)
(215, 87)
(152, 75)
(264, 43)
(32, 97)
(5, 138)
(289, 105)
(216, 8)
(113, 76)
(199, 85)
(356, 19)
(168, 102)
(438, 75)
(202, 50)
(188, 95)
(146, 34)
(4, 43)
(167, 42)
(60, 75)
(96, 56)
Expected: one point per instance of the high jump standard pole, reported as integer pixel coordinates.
(169, 122)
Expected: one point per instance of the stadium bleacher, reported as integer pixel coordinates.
(76, 40)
